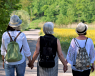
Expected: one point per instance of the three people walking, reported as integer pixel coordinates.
(14, 48)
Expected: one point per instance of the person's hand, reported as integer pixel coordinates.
(65, 68)
(92, 68)
(30, 65)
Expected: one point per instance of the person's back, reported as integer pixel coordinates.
(18, 40)
(51, 66)
(13, 31)
(55, 47)
(81, 48)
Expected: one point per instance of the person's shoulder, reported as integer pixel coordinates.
(89, 39)
(73, 39)
(5, 33)
(22, 34)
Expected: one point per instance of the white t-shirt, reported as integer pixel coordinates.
(72, 51)
(21, 40)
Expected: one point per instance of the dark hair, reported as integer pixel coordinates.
(83, 33)
(11, 29)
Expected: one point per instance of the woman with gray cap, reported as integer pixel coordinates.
(47, 46)
(8, 50)
(81, 53)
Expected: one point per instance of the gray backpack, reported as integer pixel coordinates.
(82, 58)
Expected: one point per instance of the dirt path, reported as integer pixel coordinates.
(32, 37)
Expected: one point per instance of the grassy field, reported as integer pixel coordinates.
(92, 73)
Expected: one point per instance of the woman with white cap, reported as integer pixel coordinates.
(77, 57)
(13, 33)
(47, 62)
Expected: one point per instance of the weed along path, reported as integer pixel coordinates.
(32, 36)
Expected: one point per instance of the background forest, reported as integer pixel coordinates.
(35, 12)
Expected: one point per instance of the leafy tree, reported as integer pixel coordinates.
(6, 7)
(70, 10)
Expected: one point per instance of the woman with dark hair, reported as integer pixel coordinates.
(9, 28)
(13, 55)
(81, 52)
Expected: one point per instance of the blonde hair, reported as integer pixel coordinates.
(48, 28)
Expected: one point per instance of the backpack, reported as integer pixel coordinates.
(47, 55)
(13, 50)
(82, 58)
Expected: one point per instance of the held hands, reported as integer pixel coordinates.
(30, 65)
(92, 68)
(65, 68)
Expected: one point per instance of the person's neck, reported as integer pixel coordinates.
(81, 37)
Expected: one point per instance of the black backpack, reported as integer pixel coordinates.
(47, 55)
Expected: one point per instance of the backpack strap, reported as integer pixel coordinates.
(77, 44)
(17, 36)
(14, 39)
(86, 41)
(10, 36)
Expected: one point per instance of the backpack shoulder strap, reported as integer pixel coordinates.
(17, 36)
(77, 44)
(86, 41)
(10, 36)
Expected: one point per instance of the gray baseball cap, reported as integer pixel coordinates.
(15, 21)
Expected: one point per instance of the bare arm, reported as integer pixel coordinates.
(92, 67)
(3, 60)
(61, 57)
(36, 53)
(60, 54)
(29, 58)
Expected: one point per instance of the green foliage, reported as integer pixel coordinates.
(34, 24)
(64, 11)
(6, 7)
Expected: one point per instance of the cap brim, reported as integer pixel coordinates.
(80, 33)
(15, 25)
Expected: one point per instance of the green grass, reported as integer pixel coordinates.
(92, 73)
(35, 24)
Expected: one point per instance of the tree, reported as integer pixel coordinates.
(6, 7)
